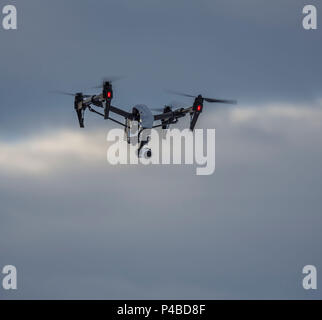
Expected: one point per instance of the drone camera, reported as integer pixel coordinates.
(145, 153)
(148, 153)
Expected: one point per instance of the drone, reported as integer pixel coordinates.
(140, 114)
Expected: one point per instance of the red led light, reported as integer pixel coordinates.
(109, 94)
(199, 108)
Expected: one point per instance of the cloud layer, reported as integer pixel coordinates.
(77, 227)
(52, 151)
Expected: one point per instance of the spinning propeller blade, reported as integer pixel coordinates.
(211, 100)
(108, 79)
(69, 94)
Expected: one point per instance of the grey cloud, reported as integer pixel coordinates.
(162, 232)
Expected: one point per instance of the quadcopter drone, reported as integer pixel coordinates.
(140, 114)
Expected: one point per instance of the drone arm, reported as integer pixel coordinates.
(92, 99)
(165, 123)
(93, 110)
(116, 110)
(173, 114)
(118, 122)
(121, 112)
(101, 114)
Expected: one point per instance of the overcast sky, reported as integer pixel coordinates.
(77, 227)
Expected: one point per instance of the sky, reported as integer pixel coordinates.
(77, 227)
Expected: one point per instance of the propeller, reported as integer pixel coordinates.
(211, 100)
(70, 94)
(108, 79)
